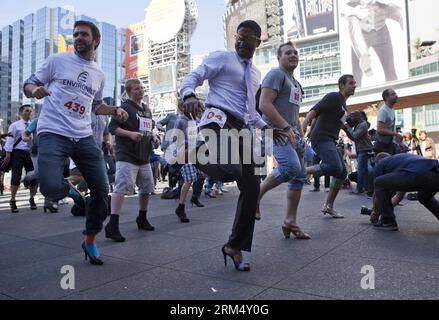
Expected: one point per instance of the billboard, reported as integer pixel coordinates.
(164, 19)
(161, 104)
(136, 61)
(373, 40)
(309, 18)
(66, 20)
(245, 10)
(162, 80)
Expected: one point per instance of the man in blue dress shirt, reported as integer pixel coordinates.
(231, 105)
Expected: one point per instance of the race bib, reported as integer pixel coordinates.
(145, 124)
(296, 95)
(75, 108)
(213, 115)
(192, 131)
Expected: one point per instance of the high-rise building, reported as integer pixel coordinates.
(26, 44)
(5, 74)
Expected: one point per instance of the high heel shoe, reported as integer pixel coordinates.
(33, 205)
(143, 224)
(197, 203)
(181, 213)
(13, 206)
(50, 206)
(91, 251)
(298, 233)
(236, 257)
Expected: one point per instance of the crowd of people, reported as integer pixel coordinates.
(80, 145)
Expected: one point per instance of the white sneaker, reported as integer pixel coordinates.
(63, 201)
(224, 190)
(328, 210)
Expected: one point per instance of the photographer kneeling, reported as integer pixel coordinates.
(406, 173)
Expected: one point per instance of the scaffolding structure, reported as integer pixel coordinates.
(174, 52)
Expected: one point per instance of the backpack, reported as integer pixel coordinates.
(258, 95)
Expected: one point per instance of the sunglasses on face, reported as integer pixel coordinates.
(246, 39)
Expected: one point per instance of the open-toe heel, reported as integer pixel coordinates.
(237, 260)
(296, 231)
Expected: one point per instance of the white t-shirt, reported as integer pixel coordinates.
(75, 85)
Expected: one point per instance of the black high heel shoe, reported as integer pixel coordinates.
(33, 205)
(93, 260)
(13, 206)
(237, 260)
(197, 203)
(50, 206)
(143, 224)
(181, 213)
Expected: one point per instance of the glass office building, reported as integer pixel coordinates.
(5, 74)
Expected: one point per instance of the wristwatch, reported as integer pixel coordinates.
(189, 95)
(286, 129)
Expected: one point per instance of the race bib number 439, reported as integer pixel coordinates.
(75, 108)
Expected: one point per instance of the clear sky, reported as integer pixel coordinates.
(208, 37)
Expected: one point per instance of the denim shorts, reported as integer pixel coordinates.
(291, 167)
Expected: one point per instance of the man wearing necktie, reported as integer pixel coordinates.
(18, 152)
(230, 105)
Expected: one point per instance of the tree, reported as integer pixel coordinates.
(418, 49)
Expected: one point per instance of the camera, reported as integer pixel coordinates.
(398, 129)
(414, 132)
(365, 211)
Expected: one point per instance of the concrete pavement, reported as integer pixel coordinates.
(184, 261)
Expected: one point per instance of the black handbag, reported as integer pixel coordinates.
(3, 156)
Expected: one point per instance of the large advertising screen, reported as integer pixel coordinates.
(136, 61)
(162, 80)
(373, 40)
(66, 20)
(307, 18)
(245, 10)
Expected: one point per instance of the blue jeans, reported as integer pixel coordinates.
(332, 162)
(52, 154)
(291, 167)
(362, 170)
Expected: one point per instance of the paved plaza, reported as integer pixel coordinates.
(184, 261)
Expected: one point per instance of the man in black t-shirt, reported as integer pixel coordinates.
(330, 115)
(134, 144)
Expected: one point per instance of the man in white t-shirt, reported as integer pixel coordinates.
(72, 85)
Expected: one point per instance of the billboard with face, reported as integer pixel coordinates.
(136, 61)
(245, 10)
(373, 40)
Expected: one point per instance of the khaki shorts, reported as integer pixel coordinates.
(129, 175)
